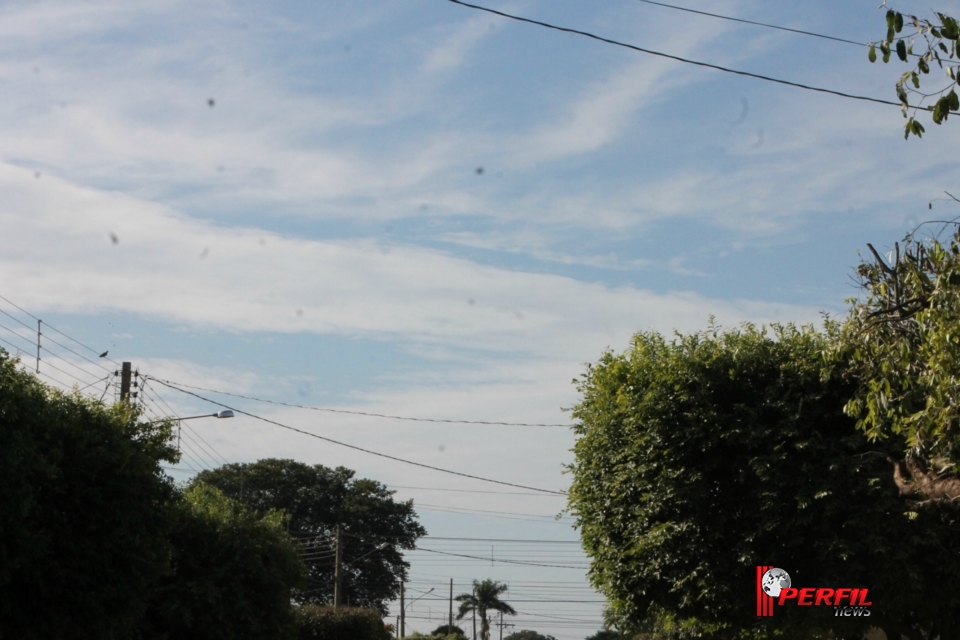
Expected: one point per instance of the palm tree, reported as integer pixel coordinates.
(485, 597)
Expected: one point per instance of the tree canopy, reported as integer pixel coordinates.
(232, 572)
(700, 458)
(527, 634)
(84, 517)
(316, 499)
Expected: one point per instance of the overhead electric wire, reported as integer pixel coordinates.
(534, 564)
(758, 24)
(366, 413)
(354, 447)
(51, 327)
(661, 54)
(209, 447)
(504, 493)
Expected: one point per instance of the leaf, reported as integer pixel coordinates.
(885, 50)
(872, 53)
(898, 22)
(902, 50)
(915, 78)
(953, 101)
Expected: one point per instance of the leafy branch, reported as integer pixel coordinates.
(940, 42)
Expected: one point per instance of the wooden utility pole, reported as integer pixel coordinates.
(338, 569)
(450, 618)
(474, 622)
(403, 619)
(38, 346)
(125, 382)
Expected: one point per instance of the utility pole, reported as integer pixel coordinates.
(124, 381)
(338, 570)
(38, 346)
(501, 625)
(450, 619)
(474, 622)
(403, 619)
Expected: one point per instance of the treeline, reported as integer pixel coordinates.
(98, 542)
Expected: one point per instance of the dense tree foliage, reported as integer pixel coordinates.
(448, 630)
(84, 513)
(314, 622)
(527, 634)
(903, 341)
(317, 499)
(232, 572)
(484, 598)
(700, 458)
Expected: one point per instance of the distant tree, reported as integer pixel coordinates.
(314, 622)
(84, 512)
(699, 458)
(232, 572)
(448, 630)
(606, 634)
(316, 499)
(485, 597)
(526, 634)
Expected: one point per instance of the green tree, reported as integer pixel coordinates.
(699, 458)
(232, 572)
(315, 622)
(448, 630)
(526, 634)
(83, 511)
(929, 42)
(902, 340)
(485, 597)
(606, 634)
(317, 499)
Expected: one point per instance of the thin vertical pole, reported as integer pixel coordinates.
(501, 625)
(403, 619)
(38, 345)
(474, 622)
(450, 619)
(338, 570)
(125, 382)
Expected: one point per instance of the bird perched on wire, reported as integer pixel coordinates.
(104, 354)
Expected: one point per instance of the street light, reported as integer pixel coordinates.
(338, 566)
(403, 609)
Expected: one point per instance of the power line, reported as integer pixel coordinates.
(519, 540)
(758, 24)
(51, 327)
(354, 447)
(365, 413)
(673, 57)
(534, 564)
(503, 493)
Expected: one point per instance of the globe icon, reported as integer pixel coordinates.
(773, 581)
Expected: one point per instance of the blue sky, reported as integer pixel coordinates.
(418, 209)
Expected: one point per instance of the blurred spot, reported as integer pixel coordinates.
(929, 205)
(347, 48)
(744, 112)
(263, 242)
(850, 210)
(442, 448)
(493, 27)
(759, 142)
(911, 221)
(518, 314)
(243, 25)
(204, 253)
(63, 105)
(220, 169)
(299, 312)
(479, 171)
(424, 207)
(389, 228)
(604, 80)
(470, 301)
(36, 174)
(304, 390)
(114, 239)
(36, 69)
(211, 102)
(246, 71)
(849, 143)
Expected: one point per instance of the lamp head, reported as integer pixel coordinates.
(225, 413)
